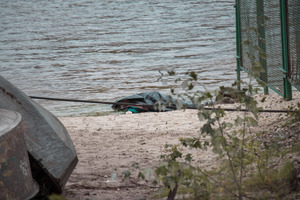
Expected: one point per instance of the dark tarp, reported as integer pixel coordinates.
(150, 101)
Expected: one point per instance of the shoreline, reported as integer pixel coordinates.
(108, 145)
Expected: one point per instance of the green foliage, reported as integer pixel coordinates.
(193, 143)
(180, 175)
(171, 73)
(231, 146)
(126, 175)
(243, 153)
(56, 197)
(273, 184)
(294, 114)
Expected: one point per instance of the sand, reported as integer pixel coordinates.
(109, 145)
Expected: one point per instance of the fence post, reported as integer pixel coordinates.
(287, 93)
(238, 41)
(260, 18)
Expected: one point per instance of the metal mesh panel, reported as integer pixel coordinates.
(274, 44)
(293, 19)
(260, 33)
(248, 31)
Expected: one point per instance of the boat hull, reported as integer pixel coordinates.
(51, 151)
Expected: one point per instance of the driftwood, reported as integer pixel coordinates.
(228, 95)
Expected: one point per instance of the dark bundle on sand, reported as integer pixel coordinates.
(150, 101)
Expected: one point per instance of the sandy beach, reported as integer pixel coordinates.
(108, 145)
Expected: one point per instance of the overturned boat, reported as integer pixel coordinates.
(51, 152)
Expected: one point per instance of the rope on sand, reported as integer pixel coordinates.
(151, 106)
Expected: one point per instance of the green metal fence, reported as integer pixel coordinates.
(293, 24)
(268, 38)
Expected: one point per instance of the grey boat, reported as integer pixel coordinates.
(51, 152)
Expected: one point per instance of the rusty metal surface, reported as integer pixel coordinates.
(15, 174)
(47, 140)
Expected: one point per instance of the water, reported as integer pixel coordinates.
(103, 50)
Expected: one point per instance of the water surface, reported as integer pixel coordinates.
(103, 50)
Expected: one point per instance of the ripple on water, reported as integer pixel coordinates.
(106, 49)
